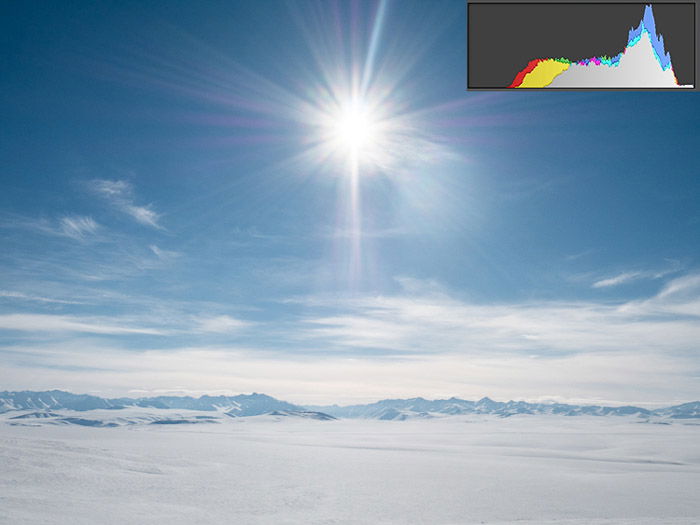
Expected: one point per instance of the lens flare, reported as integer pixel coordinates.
(343, 108)
(355, 133)
(355, 129)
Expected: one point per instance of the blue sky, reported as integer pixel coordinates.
(183, 209)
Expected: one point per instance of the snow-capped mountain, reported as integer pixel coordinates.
(240, 405)
(53, 399)
(399, 409)
(685, 411)
(389, 409)
(304, 414)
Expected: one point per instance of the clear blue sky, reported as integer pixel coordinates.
(302, 199)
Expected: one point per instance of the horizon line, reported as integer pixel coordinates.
(602, 403)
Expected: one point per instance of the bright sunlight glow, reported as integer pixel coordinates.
(355, 129)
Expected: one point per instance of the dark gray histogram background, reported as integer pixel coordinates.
(503, 37)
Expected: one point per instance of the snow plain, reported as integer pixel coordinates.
(286, 470)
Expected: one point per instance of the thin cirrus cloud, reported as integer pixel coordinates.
(120, 194)
(68, 323)
(220, 324)
(618, 279)
(667, 322)
(421, 342)
(36, 298)
(78, 227)
(164, 255)
(333, 378)
(629, 276)
(118, 326)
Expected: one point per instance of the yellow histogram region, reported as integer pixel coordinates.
(543, 74)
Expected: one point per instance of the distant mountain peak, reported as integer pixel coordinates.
(240, 405)
(400, 409)
(397, 409)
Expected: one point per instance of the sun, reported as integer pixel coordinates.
(355, 129)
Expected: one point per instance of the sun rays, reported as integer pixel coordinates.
(337, 103)
(355, 129)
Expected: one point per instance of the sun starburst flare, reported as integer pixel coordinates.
(355, 128)
(347, 112)
(358, 122)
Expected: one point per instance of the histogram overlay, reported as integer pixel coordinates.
(581, 45)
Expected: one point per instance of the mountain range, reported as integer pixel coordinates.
(389, 409)
(419, 407)
(241, 405)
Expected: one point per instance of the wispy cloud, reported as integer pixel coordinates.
(618, 279)
(144, 215)
(115, 258)
(160, 321)
(68, 323)
(629, 276)
(78, 227)
(120, 194)
(681, 287)
(679, 297)
(332, 378)
(421, 341)
(435, 324)
(37, 298)
(220, 324)
(164, 255)
(579, 255)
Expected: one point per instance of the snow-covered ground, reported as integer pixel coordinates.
(283, 469)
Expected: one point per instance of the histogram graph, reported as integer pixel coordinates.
(581, 46)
